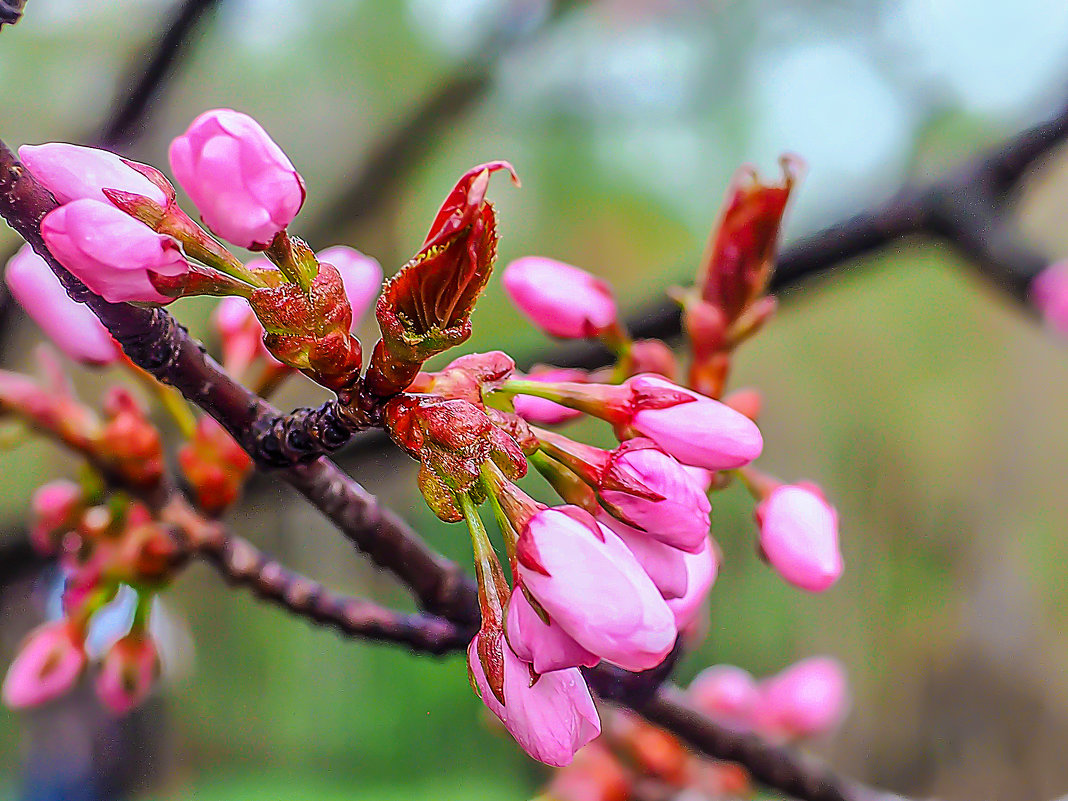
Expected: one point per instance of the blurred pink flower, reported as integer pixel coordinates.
(799, 536)
(49, 662)
(362, 276)
(71, 326)
(562, 300)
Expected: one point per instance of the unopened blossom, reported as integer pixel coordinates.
(110, 252)
(545, 412)
(807, 699)
(594, 589)
(799, 536)
(551, 717)
(73, 172)
(663, 563)
(648, 489)
(545, 645)
(700, 431)
(1049, 293)
(51, 659)
(71, 326)
(129, 669)
(701, 570)
(55, 508)
(245, 187)
(727, 694)
(362, 276)
(562, 300)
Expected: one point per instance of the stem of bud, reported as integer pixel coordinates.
(294, 258)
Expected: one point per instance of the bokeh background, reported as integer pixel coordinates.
(931, 408)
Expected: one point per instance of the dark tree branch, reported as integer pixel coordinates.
(245, 565)
(11, 11)
(771, 765)
(146, 80)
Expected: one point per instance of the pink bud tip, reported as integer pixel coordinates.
(701, 571)
(727, 694)
(545, 645)
(127, 674)
(361, 275)
(594, 589)
(111, 252)
(799, 536)
(1049, 293)
(71, 326)
(551, 716)
(807, 699)
(562, 300)
(245, 187)
(702, 432)
(72, 172)
(50, 661)
(54, 506)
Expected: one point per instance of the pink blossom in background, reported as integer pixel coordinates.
(551, 718)
(649, 490)
(53, 506)
(701, 570)
(594, 589)
(1049, 293)
(545, 645)
(799, 536)
(807, 699)
(544, 412)
(362, 276)
(727, 694)
(73, 172)
(702, 432)
(245, 187)
(127, 673)
(51, 659)
(664, 564)
(111, 252)
(562, 300)
(71, 326)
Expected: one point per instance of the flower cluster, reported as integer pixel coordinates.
(624, 561)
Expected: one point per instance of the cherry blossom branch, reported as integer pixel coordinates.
(244, 565)
(771, 765)
(154, 341)
(158, 344)
(11, 11)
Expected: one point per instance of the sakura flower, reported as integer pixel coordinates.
(562, 300)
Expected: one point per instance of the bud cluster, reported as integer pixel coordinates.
(616, 569)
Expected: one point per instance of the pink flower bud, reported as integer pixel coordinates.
(551, 716)
(650, 491)
(807, 699)
(240, 180)
(361, 275)
(55, 509)
(112, 253)
(562, 300)
(727, 694)
(72, 172)
(594, 589)
(49, 662)
(799, 536)
(701, 478)
(1049, 293)
(701, 570)
(665, 565)
(702, 432)
(71, 326)
(545, 645)
(130, 668)
(240, 335)
(544, 412)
